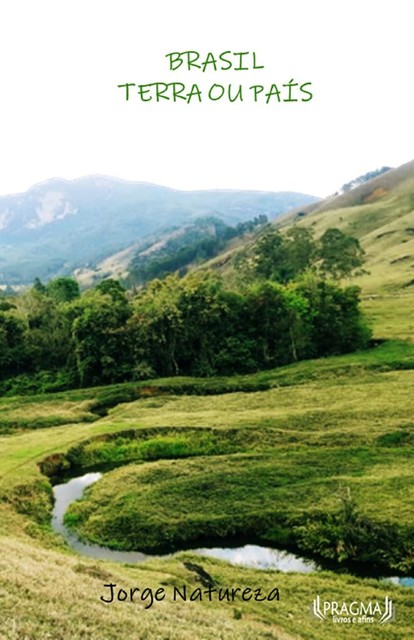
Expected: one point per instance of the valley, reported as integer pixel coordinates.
(314, 457)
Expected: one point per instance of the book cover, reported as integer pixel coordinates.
(206, 294)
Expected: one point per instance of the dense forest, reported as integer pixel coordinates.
(192, 244)
(55, 337)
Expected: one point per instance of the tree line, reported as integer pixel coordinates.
(348, 186)
(55, 337)
(284, 257)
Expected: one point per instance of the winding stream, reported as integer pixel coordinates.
(249, 555)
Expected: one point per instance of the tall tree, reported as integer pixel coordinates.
(102, 343)
(336, 324)
(339, 255)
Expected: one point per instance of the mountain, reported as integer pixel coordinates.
(179, 248)
(373, 191)
(62, 225)
(380, 213)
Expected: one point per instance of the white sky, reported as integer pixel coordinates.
(61, 113)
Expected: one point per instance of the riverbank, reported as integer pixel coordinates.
(249, 555)
(343, 422)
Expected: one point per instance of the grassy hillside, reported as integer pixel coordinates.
(380, 213)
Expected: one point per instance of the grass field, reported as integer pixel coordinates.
(277, 445)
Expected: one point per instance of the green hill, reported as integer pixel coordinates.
(380, 213)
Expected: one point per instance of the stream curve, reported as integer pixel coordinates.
(253, 556)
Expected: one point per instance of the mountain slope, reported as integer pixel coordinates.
(371, 191)
(380, 213)
(60, 225)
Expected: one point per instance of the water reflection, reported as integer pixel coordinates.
(402, 582)
(67, 493)
(252, 555)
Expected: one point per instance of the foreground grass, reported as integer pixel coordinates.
(53, 595)
(288, 446)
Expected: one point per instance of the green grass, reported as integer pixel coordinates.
(391, 316)
(47, 593)
(245, 455)
(272, 487)
(381, 218)
(295, 477)
(122, 447)
(22, 413)
(41, 412)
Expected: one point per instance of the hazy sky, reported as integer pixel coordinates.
(63, 115)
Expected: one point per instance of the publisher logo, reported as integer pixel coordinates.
(355, 612)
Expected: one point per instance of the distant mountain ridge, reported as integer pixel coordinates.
(369, 191)
(60, 225)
